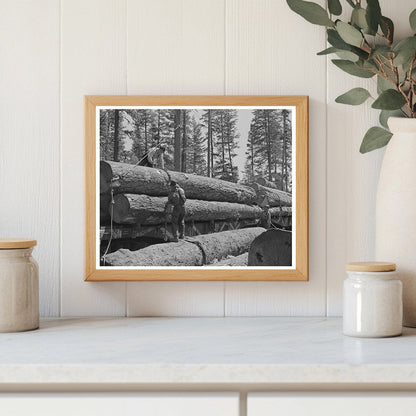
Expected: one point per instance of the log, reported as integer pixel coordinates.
(237, 261)
(195, 251)
(281, 211)
(105, 200)
(155, 182)
(264, 182)
(151, 210)
(274, 197)
(272, 248)
(106, 175)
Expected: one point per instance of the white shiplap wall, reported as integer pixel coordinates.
(55, 52)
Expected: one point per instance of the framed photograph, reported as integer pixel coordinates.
(196, 188)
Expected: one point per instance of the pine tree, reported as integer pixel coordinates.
(269, 148)
(197, 161)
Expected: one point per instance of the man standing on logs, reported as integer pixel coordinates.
(266, 218)
(154, 157)
(175, 208)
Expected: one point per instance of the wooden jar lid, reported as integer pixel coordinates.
(11, 243)
(371, 266)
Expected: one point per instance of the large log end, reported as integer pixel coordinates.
(272, 248)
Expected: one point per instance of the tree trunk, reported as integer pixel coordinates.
(237, 261)
(275, 198)
(177, 143)
(116, 135)
(284, 172)
(150, 210)
(184, 141)
(209, 146)
(145, 132)
(155, 182)
(204, 249)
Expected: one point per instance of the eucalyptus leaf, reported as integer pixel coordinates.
(311, 12)
(389, 100)
(356, 96)
(381, 50)
(387, 27)
(375, 138)
(352, 68)
(412, 20)
(405, 51)
(327, 51)
(373, 15)
(386, 114)
(370, 64)
(358, 18)
(383, 84)
(349, 34)
(335, 40)
(348, 56)
(334, 7)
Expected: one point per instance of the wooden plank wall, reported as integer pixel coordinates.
(56, 51)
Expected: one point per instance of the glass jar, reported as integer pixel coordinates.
(372, 300)
(19, 286)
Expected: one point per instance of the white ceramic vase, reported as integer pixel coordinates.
(396, 210)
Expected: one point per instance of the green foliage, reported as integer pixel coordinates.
(311, 12)
(405, 51)
(375, 138)
(366, 47)
(389, 100)
(328, 51)
(349, 34)
(334, 7)
(356, 96)
(387, 27)
(352, 68)
(373, 15)
(359, 19)
(386, 114)
(412, 20)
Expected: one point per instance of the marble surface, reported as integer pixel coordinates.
(264, 351)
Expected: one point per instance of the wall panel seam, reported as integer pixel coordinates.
(60, 162)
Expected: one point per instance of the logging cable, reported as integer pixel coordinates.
(111, 226)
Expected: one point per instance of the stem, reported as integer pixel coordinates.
(411, 82)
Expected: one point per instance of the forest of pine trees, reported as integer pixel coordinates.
(203, 142)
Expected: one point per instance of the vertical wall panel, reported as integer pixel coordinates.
(270, 50)
(29, 135)
(352, 177)
(93, 59)
(175, 47)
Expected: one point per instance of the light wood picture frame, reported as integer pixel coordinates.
(140, 130)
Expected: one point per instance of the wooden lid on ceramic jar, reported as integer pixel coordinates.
(371, 266)
(13, 243)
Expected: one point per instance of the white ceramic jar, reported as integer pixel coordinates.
(19, 286)
(372, 300)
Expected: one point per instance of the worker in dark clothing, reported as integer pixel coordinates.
(154, 157)
(175, 208)
(266, 218)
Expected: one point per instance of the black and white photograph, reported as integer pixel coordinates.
(196, 187)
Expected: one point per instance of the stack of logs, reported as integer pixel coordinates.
(216, 213)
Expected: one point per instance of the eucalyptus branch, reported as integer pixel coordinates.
(366, 56)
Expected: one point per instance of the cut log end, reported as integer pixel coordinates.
(272, 248)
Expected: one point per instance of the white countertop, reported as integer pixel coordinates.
(274, 352)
